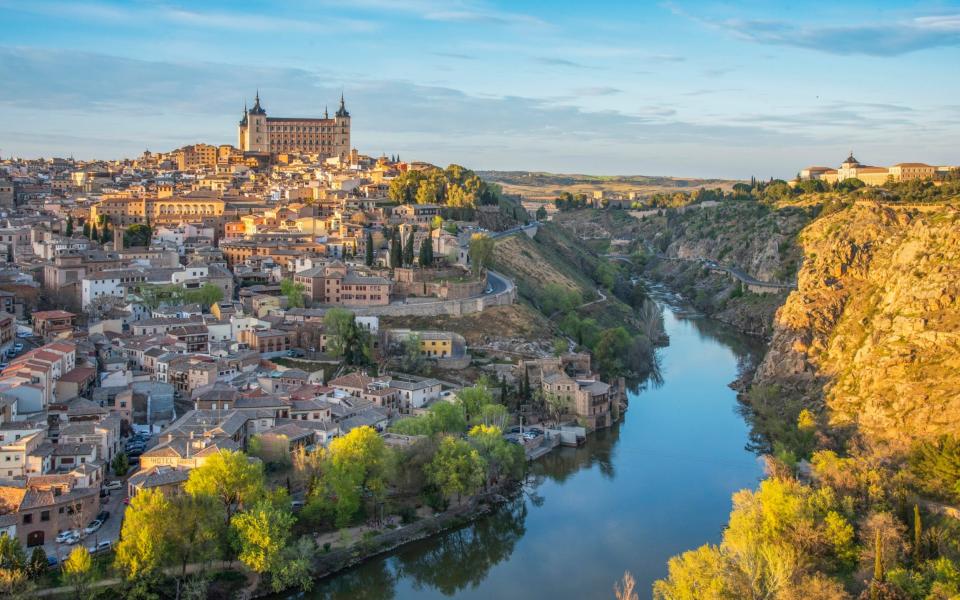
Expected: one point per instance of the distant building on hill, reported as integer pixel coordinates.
(851, 168)
(329, 136)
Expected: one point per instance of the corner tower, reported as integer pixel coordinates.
(341, 134)
(254, 136)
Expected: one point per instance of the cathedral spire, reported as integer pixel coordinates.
(342, 111)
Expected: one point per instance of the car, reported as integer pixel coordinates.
(100, 547)
(4, 364)
(104, 492)
(114, 485)
(52, 561)
(74, 538)
(92, 527)
(63, 536)
(18, 347)
(24, 334)
(296, 505)
(103, 516)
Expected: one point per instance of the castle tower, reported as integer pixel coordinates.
(341, 122)
(254, 136)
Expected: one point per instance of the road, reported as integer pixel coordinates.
(500, 234)
(110, 531)
(498, 283)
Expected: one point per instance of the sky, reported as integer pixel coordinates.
(678, 88)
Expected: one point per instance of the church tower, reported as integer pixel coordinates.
(341, 137)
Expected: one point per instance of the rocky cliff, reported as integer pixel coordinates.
(874, 328)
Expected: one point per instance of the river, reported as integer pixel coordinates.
(655, 485)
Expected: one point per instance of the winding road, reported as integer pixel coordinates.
(737, 273)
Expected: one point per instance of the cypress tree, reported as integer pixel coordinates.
(878, 575)
(408, 250)
(69, 231)
(395, 250)
(917, 535)
(426, 252)
(368, 257)
(94, 234)
(526, 384)
(503, 390)
(86, 230)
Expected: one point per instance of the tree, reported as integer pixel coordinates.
(541, 213)
(137, 235)
(69, 230)
(13, 567)
(230, 477)
(206, 295)
(481, 249)
(472, 399)
(408, 250)
(557, 406)
(368, 254)
(502, 458)
(626, 589)
(357, 465)
(143, 544)
(78, 570)
(120, 464)
(396, 252)
(86, 230)
(346, 338)
(426, 252)
(457, 468)
(293, 291)
(917, 536)
(193, 533)
(38, 563)
(94, 233)
(262, 534)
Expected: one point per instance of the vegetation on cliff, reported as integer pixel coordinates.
(857, 403)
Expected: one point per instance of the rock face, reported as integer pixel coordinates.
(874, 327)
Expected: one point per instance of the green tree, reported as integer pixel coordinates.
(557, 406)
(368, 253)
(396, 251)
(502, 458)
(137, 235)
(472, 399)
(457, 468)
(78, 570)
(355, 472)
(38, 563)
(206, 295)
(293, 291)
(347, 339)
(69, 230)
(541, 213)
(230, 477)
(481, 249)
(13, 567)
(408, 250)
(262, 533)
(193, 533)
(917, 536)
(94, 233)
(86, 230)
(426, 252)
(143, 544)
(120, 464)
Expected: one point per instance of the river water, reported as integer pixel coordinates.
(655, 485)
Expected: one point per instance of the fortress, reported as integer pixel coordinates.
(851, 168)
(328, 137)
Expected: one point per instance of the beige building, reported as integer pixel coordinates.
(328, 137)
(851, 168)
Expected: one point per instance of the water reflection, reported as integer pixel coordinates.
(631, 497)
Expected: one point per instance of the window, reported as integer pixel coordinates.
(27, 519)
(45, 515)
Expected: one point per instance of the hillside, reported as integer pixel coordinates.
(877, 315)
(546, 186)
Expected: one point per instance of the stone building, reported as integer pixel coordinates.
(328, 137)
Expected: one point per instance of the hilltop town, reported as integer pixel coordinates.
(162, 311)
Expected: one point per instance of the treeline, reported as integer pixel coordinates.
(453, 187)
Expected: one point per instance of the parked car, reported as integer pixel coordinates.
(103, 516)
(114, 485)
(100, 547)
(3, 364)
(92, 527)
(24, 334)
(296, 505)
(17, 346)
(63, 536)
(52, 561)
(74, 538)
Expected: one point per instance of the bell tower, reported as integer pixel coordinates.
(254, 136)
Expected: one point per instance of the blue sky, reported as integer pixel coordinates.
(711, 89)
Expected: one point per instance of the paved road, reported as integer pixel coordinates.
(500, 234)
(498, 283)
(110, 531)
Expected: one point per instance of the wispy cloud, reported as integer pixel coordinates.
(599, 90)
(455, 55)
(890, 38)
(560, 62)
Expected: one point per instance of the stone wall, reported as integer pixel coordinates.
(433, 308)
